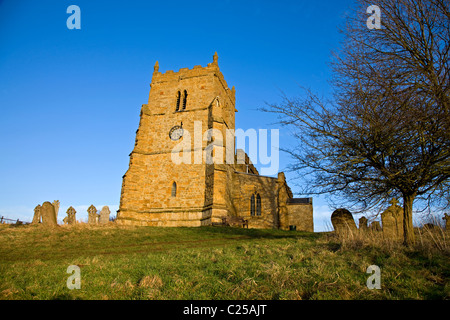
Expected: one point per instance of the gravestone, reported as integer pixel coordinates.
(363, 224)
(392, 220)
(447, 222)
(93, 216)
(429, 226)
(375, 226)
(71, 218)
(104, 215)
(343, 222)
(48, 214)
(55, 204)
(37, 215)
(389, 224)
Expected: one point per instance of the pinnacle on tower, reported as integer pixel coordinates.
(215, 58)
(156, 67)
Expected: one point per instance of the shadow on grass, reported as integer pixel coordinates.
(261, 233)
(65, 296)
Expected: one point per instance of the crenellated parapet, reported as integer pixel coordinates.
(211, 70)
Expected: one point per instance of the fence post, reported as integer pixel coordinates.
(1, 220)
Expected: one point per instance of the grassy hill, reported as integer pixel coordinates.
(120, 262)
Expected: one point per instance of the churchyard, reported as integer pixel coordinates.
(132, 262)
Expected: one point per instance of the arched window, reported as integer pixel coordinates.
(174, 189)
(255, 205)
(184, 99)
(252, 205)
(178, 101)
(258, 205)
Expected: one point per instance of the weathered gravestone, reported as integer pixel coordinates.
(48, 214)
(375, 226)
(37, 215)
(93, 216)
(429, 226)
(55, 204)
(104, 215)
(447, 222)
(363, 224)
(71, 217)
(389, 225)
(392, 220)
(343, 222)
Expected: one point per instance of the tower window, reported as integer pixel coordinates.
(184, 99)
(174, 189)
(178, 101)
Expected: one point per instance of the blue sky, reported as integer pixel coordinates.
(70, 99)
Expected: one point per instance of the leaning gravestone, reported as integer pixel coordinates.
(93, 216)
(392, 220)
(71, 218)
(48, 214)
(37, 215)
(55, 204)
(104, 215)
(343, 222)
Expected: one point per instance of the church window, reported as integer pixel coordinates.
(178, 101)
(174, 189)
(184, 99)
(255, 205)
(252, 205)
(258, 205)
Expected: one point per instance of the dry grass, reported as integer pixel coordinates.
(119, 262)
(428, 239)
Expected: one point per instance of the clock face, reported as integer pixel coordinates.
(176, 133)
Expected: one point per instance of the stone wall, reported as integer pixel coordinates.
(301, 216)
(244, 186)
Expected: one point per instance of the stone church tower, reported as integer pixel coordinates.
(160, 190)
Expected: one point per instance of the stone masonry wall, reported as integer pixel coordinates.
(146, 196)
(301, 216)
(244, 185)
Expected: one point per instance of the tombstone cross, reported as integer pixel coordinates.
(393, 202)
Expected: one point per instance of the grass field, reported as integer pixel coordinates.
(210, 263)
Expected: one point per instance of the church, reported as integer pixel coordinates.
(158, 191)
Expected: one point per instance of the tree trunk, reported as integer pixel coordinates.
(408, 230)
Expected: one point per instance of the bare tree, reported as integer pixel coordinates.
(385, 132)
